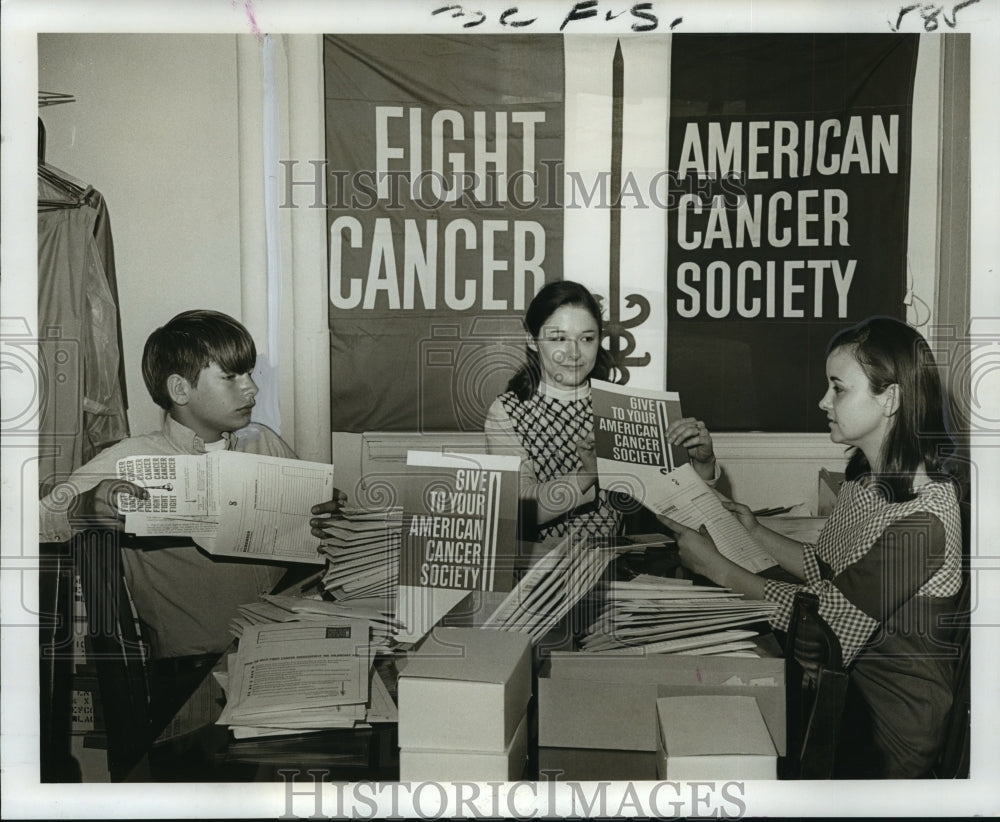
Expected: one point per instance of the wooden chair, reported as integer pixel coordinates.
(954, 759)
(55, 664)
(816, 691)
(117, 649)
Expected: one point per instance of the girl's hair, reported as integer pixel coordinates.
(550, 298)
(188, 343)
(891, 352)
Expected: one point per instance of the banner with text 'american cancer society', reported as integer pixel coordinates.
(732, 200)
(792, 153)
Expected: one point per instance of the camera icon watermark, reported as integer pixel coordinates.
(970, 370)
(471, 365)
(42, 377)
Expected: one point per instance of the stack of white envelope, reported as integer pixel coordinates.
(362, 551)
(652, 614)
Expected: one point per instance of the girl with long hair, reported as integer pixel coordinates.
(887, 564)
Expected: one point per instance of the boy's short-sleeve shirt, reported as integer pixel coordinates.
(185, 598)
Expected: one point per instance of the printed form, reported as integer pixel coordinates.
(231, 503)
(683, 496)
(306, 675)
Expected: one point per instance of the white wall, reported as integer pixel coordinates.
(154, 129)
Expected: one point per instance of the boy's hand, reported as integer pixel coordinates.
(324, 510)
(97, 507)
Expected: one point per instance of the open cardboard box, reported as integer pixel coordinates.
(608, 702)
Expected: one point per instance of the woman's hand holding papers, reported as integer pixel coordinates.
(692, 435)
(697, 549)
(586, 451)
(744, 515)
(699, 554)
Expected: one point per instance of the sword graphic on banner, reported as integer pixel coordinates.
(621, 342)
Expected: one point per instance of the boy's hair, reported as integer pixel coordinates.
(188, 343)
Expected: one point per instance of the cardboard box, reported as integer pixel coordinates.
(595, 714)
(464, 689)
(713, 737)
(591, 765)
(617, 695)
(467, 766)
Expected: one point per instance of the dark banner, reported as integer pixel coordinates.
(443, 153)
(792, 156)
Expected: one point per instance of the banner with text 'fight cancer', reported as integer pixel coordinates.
(444, 159)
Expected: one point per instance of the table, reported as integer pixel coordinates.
(198, 750)
(195, 749)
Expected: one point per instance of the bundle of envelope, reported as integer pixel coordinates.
(651, 614)
(362, 551)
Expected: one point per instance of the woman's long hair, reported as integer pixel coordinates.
(550, 298)
(892, 353)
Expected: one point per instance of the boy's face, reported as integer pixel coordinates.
(221, 401)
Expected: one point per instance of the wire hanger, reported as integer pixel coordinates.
(69, 193)
(49, 98)
(53, 98)
(63, 192)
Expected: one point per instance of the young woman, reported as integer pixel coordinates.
(545, 416)
(887, 563)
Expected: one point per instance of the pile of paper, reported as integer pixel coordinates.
(283, 608)
(651, 614)
(300, 676)
(362, 551)
(551, 587)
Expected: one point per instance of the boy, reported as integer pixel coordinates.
(197, 368)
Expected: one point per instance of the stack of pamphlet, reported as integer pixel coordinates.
(362, 551)
(459, 535)
(652, 614)
(305, 675)
(552, 586)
